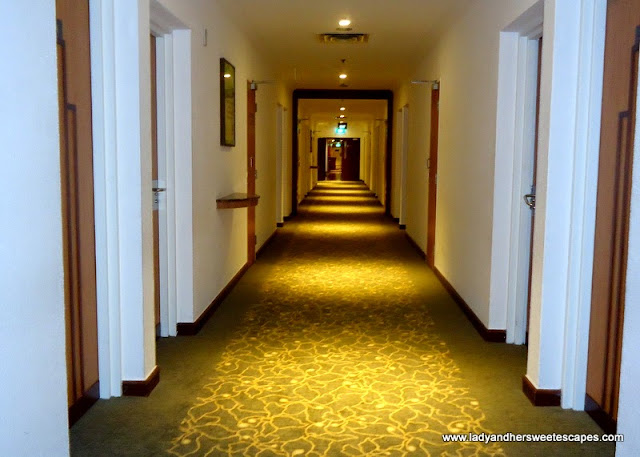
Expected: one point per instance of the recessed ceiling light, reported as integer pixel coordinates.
(342, 108)
(343, 76)
(227, 75)
(344, 22)
(342, 116)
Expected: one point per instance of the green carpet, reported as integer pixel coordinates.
(339, 341)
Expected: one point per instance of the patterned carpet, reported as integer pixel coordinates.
(338, 358)
(339, 341)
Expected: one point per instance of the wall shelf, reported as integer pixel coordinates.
(237, 200)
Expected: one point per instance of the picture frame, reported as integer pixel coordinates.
(227, 103)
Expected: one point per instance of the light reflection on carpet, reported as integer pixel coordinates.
(349, 370)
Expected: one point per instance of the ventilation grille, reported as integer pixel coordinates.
(344, 37)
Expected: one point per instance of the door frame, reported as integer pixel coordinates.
(568, 150)
(404, 160)
(515, 145)
(346, 94)
(521, 227)
(280, 142)
(251, 171)
(126, 331)
(433, 174)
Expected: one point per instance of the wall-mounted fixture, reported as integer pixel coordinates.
(254, 84)
(434, 82)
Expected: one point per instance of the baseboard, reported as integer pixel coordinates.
(192, 328)
(287, 218)
(490, 335)
(415, 246)
(599, 416)
(141, 388)
(280, 224)
(266, 243)
(540, 397)
(402, 226)
(80, 407)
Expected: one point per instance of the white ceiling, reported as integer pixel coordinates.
(401, 31)
(356, 110)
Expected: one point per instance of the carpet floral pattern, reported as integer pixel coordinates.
(339, 357)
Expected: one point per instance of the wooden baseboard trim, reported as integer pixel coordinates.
(266, 243)
(415, 246)
(280, 224)
(192, 328)
(599, 416)
(80, 407)
(402, 226)
(490, 335)
(540, 397)
(141, 388)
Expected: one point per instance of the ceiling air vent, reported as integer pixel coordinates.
(344, 37)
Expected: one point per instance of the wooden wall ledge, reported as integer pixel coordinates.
(237, 200)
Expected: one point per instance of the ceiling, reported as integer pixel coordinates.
(356, 110)
(401, 31)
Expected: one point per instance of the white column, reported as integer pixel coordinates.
(570, 98)
(33, 398)
(279, 167)
(183, 148)
(403, 132)
(122, 156)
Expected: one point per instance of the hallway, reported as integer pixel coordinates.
(339, 341)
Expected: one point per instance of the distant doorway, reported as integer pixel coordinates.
(339, 159)
(384, 140)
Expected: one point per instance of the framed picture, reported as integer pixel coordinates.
(227, 103)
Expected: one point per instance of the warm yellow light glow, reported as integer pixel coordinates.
(344, 22)
(342, 108)
(227, 75)
(341, 116)
(345, 209)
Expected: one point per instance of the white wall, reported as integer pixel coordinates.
(629, 400)
(465, 59)
(33, 401)
(219, 236)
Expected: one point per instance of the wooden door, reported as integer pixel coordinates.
(154, 177)
(322, 159)
(612, 214)
(433, 176)
(251, 171)
(351, 159)
(76, 160)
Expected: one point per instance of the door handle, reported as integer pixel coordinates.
(156, 196)
(530, 200)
